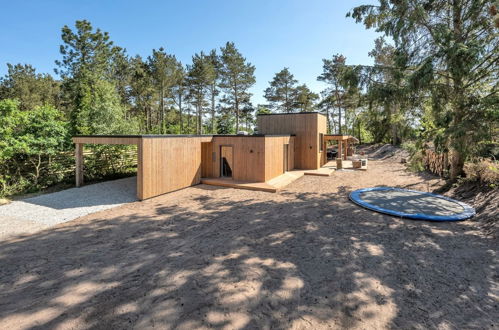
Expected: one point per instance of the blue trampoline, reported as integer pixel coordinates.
(412, 204)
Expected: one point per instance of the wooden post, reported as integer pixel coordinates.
(340, 149)
(140, 170)
(346, 149)
(79, 164)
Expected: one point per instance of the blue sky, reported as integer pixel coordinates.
(271, 34)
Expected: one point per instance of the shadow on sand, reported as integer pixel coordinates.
(247, 263)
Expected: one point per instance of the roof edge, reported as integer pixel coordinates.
(291, 113)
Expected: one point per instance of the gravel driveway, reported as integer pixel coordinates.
(32, 214)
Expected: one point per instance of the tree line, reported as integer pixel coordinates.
(103, 90)
(100, 89)
(433, 80)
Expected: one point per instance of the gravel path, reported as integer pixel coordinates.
(35, 213)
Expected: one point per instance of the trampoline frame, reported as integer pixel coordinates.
(467, 213)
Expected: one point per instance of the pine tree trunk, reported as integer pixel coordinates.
(237, 114)
(339, 120)
(149, 119)
(161, 109)
(358, 126)
(286, 105)
(180, 113)
(458, 139)
(394, 128)
(212, 111)
(200, 120)
(457, 165)
(339, 109)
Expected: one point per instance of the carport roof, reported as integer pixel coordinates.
(176, 135)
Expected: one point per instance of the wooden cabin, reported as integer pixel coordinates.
(309, 129)
(170, 162)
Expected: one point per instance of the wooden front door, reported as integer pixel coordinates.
(286, 158)
(226, 161)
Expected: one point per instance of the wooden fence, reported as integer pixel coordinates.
(64, 162)
(437, 163)
(22, 173)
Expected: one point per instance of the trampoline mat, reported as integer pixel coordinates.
(412, 204)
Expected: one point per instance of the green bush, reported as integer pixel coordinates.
(29, 140)
(483, 170)
(416, 161)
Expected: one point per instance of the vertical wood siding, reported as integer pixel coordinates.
(306, 128)
(248, 157)
(168, 164)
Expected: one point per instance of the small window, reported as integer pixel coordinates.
(321, 142)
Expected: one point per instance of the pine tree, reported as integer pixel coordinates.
(214, 91)
(31, 89)
(199, 79)
(452, 51)
(237, 77)
(304, 99)
(332, 74)
(86, 72)
(180, 94)
(142, 91)
(165, 72)
(281, 92)
(386, 94)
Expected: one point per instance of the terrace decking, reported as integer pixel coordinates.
(279, 182)
(323, 171)
(229, 183)
(273, 185)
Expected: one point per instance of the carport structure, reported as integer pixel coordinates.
(164, 163)
(343, 141)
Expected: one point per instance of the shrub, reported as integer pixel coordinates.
(416, 157)
(483, 170)
(28, 142)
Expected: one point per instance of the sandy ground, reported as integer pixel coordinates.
(207, 257)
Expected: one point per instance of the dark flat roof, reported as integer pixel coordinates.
(291, 113)
(253, 135)
(142, 135)
(179, 135)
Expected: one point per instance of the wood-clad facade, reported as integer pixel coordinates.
(254, 158)
(278, 157)
(170, 162)
(248, 157)
(307, 128)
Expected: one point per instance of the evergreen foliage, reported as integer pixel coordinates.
(435, 81)
(447, 50)
(237, 76)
